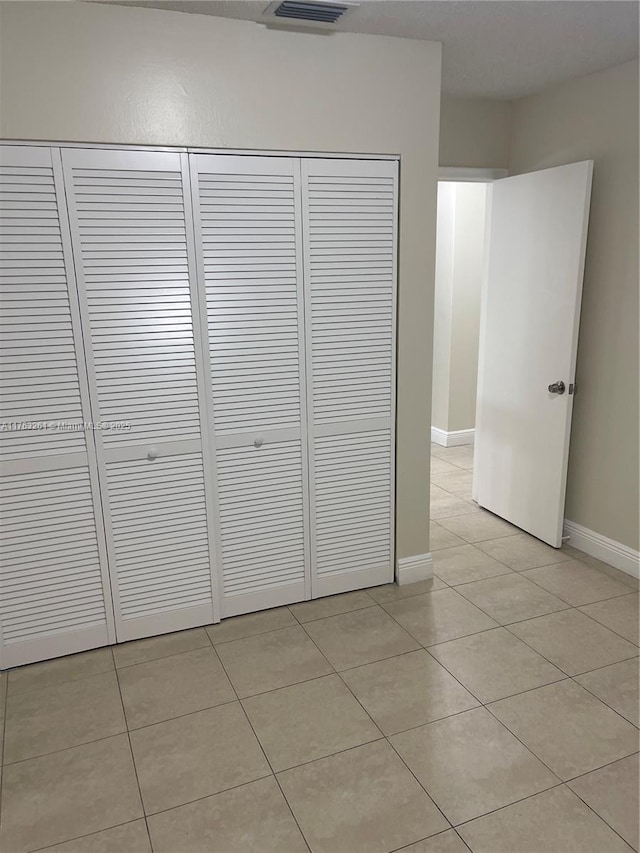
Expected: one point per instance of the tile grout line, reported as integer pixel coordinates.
(381, 606)
(64, 680)
(133, 760)
(606, 822)
(485, 706)
(562, 781)
(520, 621)
(544, 791)
(519, 531)
(523, 574)
(262, 749)
(559, 784)
(5, 704)
(347, 685)
(387, 740)
(48, 847)
(613, 631)
(568, 677)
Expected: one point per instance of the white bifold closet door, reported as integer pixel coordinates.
(248, 236)
(132, 236)
(350, 222)
(54, 587)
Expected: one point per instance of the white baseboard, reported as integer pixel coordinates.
(452, 439)
(414, 569)
(614, 553)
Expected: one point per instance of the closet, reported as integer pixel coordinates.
(197, 388)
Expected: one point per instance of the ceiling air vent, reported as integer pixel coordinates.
(307, 12)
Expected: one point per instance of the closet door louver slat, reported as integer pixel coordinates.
(133, 242)
(54, 590)
(248, 234)
(350, 214)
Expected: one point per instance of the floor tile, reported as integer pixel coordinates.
(479, 527)
(253, 818)
(195, 756)
(308, 721)
(127, 838)
(61, 796)
(440, 537)
(445, 842)
(238, 627)
(407, 691)
(612, 792)
(461, 456)
(511, 598)
(465, 563)
(363, 800)
(456, 482)
(576, 583)
(573, 642)
(470, 764)
(555, 821)
(605, 568)
(446, 505)
(522, 552)
(495, 664)
(617, 687)
(567, 728)
(332, 605)
(439, 466)
(360, 637)
(161, 689)
(65, 715)
(152, 648)
(55, 671)
(622, 577)
(268, 661)
(3, 696)
(439, 616)
(619, 614)
(394, 591)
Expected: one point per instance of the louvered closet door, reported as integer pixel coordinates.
(132, 237)
(248, 233)
(54, 588)
(350, 232)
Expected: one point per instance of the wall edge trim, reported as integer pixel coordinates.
(455, 438)
(614, 553)
(414, 569)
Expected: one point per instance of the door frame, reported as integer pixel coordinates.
(466, 175)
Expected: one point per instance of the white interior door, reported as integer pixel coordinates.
(350, 216)
(54, 586)
(528, 343)
(248, 242)
(132, 235)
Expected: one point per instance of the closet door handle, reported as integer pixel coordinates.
(258, 442)
(152, 454)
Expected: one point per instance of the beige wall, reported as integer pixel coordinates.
(459, 267)
(85, 72)
(443, 305)
(596, 117)
(475, 132)
(467, 285)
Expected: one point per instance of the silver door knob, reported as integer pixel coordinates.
(258, 442)
(557, 387)
(152, 454)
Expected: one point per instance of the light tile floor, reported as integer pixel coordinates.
(494, 708)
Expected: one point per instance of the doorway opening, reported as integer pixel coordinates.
(509, 268)
(460, 258)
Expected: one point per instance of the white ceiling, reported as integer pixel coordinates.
(492, 48)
